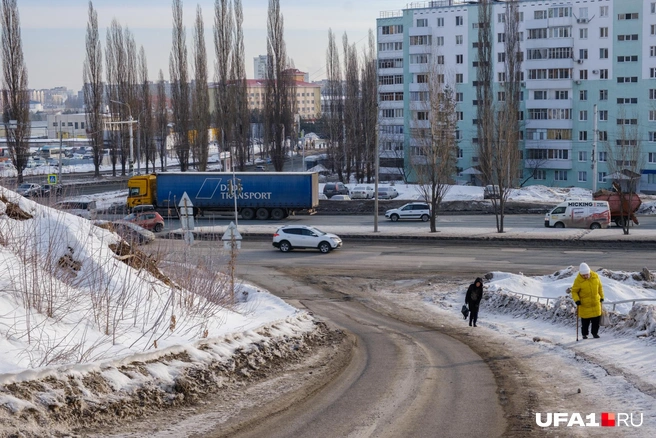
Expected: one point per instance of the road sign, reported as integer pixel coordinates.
(52, 178)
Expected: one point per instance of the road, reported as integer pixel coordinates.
(410, 375)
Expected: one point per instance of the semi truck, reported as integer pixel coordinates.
(622, 205)
(260, 195)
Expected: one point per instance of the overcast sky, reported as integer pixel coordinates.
(54, 31)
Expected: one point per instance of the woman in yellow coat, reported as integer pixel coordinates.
(588, 294)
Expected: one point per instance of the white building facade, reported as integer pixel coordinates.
(576, 54)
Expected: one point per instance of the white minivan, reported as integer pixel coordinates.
(579, 213)
(81, 208)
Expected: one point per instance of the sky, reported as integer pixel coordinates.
(53, 32)
(609, 372)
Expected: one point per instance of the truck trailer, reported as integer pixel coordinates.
(260, 195)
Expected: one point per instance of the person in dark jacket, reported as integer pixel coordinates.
(473, 300)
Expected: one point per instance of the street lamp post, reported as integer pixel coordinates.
(130, 121)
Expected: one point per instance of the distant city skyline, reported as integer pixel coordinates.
(53, 33)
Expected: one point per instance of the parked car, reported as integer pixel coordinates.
(340, 198)
(130, 232)
(336, 188)
(150, 220)
(362, 192)
(412, 210)
(81, 208)
(50, 190)
(491, 191)
(387, 193)
(260, 168)
(28, 189)
(292, 237)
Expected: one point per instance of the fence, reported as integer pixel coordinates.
(523, 296)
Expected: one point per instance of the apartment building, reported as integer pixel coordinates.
(576, 54)
(308, 95)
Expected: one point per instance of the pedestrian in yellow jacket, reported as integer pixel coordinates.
(588, 294)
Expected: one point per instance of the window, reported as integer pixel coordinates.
(583, 156)
(539, 15)
(535, 34)
(562, 94)
(422, 115)
(583, 33)
(562, 11)
(460, 115)
(583, 94)
(583, 53)
(603, 32)
(652, 29)
(583, 115)
(626, 79)
(603, 73)
(560, 175)
(459, 78)
(652, 51)
(459, 97)
(652, 72)
(603, 157)
(653, 7)
(603, 53)
(501, 57)
(583, 176)
(631, 37)
(501, 18)
(421, 40)
(439, 40)
(440, 22)
(631, 16)
(540, 95)
(422, 78)
(458, 39)
(632, 58)
(421, 58)
(601, 176)
(652, 94)
(628, 121)
(459, 20)
(440, 59)
(560, 32)
(459, 59)
(422, 22)
(652, 157)
(391, 30)
(603, 115)
(652, 116)
(603, 11)
(627, 100)
(583, 136)
(501, 76)
(501, 38)
(501, 96)
(602, 136)
(583, 74)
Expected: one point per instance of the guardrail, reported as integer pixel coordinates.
(547, 299)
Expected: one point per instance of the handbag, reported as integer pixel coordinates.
(605, 319)
(465, 311)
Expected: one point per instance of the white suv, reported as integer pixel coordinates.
(300, 236)
(413, 210)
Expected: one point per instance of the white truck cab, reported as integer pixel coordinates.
(579, 213)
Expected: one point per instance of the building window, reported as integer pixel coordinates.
(603, 115)
(583, 176)
(458, 39)
(627, 100)
(459, 78)
(603, 11)
(583, 156)
(652, 157)
(634, 36)
(562, 95)
(583, 115)
(583, 136)
(439, 40)
(540, 175)
(627, 79)
(631, 16)
(603, 73)
(652, 94)
(652, 72)
(603, 53)
(501, 76)
(501, 96)
(501, 57)
(603, 32)
(440, 59)
(652, 115)
(583, 33)
(440, 22)
(422, 22)
(459, 97)
(631, 58)
(501, 18)
(459, 20)
(560, 175)
(602, 135)
(583, 74)
(583, 94)
(583, 53)
(501, 38)
(540, 95)
(601, 176)
(603, 157)
(459, 59)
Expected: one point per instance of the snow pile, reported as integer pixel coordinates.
(71, 292)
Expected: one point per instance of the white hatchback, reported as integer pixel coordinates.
(302, 237)
(413, 210)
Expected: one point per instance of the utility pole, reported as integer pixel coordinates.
(595, 138)
(61, 151)
(130, 122)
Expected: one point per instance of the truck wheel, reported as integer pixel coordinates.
(247, 214)
(595, 226)
(277, 214)
(262, 214)
(620, 221)
(285, 246)
(559, 225)
(394, 217)
(324, 247)
(424, 218)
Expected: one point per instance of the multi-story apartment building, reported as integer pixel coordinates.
(576, 54)
(260, 67)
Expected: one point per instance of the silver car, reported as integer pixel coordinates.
(387, 193)
(303, 237)
(413, 210)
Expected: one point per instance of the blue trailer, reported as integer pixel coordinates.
(260, 195)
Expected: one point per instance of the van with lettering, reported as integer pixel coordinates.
(579, 213)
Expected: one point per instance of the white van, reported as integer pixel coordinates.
(579, 213)
(81, 208)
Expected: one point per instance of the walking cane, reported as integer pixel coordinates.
(577, 323)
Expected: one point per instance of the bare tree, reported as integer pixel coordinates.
(116, 76)
(434, 154)
(16, 113)
(147, 135)
(352, 116)
(240, 98)
(369, 106)
(625, 159)
(180, 87)
(161, 120)
(201, 98)
(93, 89)
(280, 92)
(506, 162)
(223, 33)
(335, 98)
(484, 100)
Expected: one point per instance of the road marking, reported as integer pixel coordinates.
(583, 252)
